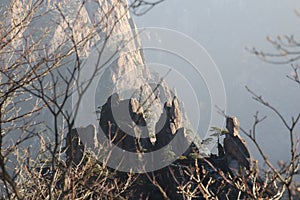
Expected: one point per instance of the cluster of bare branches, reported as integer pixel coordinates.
(141, 7)
(286, 51)
(201, 180)
(285, 173)
(38, 77)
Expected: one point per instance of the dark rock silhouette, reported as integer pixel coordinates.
(118, 116)
(236, 149)
(221, 152)
(123, 122)
(168, 124)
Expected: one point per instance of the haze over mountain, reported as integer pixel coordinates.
(225, 28)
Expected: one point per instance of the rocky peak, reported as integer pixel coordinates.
(236, 149)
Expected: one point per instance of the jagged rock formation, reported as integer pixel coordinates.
(170, 177)
(236, 148)
(116, 123)
(168, 124)
(123, 123)
(187, 172)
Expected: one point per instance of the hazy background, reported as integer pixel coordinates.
(224, 28)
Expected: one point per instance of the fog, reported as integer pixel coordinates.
(225, 28)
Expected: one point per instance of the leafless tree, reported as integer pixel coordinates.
(38, 79)
(286, 52)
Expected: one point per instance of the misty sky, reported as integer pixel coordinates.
(224, 28)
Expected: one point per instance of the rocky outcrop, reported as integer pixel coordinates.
(124, 124)
(168, 124)
(236, 149)
(122, 121)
